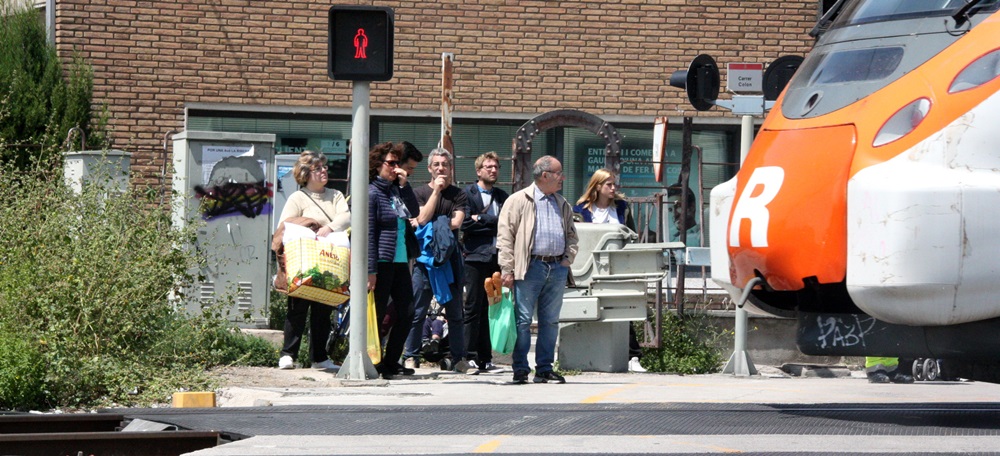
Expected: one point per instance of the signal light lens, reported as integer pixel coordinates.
(977, 73)
(903, 122)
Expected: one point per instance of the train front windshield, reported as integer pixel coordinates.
(868, 11)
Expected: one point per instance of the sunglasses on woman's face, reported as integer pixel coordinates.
(392, 163)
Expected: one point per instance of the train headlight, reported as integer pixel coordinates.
(977, 73)
(902, 122)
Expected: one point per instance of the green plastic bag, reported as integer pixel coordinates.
(503, 325)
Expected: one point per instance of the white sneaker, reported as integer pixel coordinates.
(634, 366)
(286, 363)
(325, 365)
(410, 363)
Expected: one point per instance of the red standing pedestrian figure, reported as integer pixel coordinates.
(360, 44)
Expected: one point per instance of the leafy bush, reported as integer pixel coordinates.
(689, 346)
(22, 372)
(95, 281)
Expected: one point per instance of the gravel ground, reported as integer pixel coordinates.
(243, 376)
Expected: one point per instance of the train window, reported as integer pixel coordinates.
(983, 70)
(867, 11)
(857, 65)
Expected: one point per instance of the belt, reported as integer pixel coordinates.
(547, 258)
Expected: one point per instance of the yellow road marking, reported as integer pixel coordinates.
(490, 446)
(600, 397)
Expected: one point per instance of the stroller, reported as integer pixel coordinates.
(435, 348)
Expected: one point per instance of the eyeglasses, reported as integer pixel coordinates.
(319, 171)
(555, 173)
(392, 163)
(490, 167)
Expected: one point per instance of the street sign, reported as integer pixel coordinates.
(360, 43)
(745, 77)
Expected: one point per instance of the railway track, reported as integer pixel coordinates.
(94, 434)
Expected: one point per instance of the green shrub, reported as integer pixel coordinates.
(689, 345)
(22, 373)
(41, 100)
(97, 279)
(278, 310)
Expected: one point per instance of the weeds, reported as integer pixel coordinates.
(91, 298)
(690, 345)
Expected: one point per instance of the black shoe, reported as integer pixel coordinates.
(878, 377)
(387, 373)
(521, 377)
(902, 378)
(549, 376)
(405, 371)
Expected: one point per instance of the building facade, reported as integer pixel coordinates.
(261, 67)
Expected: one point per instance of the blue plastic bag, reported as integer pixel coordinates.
(503, 325)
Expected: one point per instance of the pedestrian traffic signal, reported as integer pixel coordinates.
(360, 43)
(700, 80)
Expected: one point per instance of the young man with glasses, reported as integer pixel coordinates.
(479, 232)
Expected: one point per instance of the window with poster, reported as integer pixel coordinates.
(716, 163)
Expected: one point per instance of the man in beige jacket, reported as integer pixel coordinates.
(536, 243)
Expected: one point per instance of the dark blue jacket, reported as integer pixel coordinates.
(382, 219)
(477, 235)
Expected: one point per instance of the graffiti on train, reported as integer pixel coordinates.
(843, 331)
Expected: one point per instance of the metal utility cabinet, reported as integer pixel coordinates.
(224, 181)
(111, 166)
(612, 276)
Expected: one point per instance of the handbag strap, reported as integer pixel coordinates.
(328, 218)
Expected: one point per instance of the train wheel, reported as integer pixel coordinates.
(931, 369)
(918, 369)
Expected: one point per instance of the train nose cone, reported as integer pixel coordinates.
(789, 216)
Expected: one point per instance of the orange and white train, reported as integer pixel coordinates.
(869, 202)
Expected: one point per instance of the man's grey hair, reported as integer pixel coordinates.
(542, 165)
(439, 152)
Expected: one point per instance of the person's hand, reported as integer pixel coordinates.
(508, 280)
(325, 231)
(401, 176)
(371, 282)
(439, 183)
(565, 262)
(413, 223)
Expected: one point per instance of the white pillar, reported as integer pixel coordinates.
(740, 363)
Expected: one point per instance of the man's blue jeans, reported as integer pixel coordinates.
(541, 290)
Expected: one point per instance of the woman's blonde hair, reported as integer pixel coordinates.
(307, 161)
(596, 181)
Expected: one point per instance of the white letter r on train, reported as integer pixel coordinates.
(752, 205)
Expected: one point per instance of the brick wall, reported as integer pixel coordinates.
(511, 56)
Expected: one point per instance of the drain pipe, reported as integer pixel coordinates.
(163, 170)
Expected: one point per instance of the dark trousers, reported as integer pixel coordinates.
(477, 318)
(295, 325)
(634, 349)
(393, 281)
